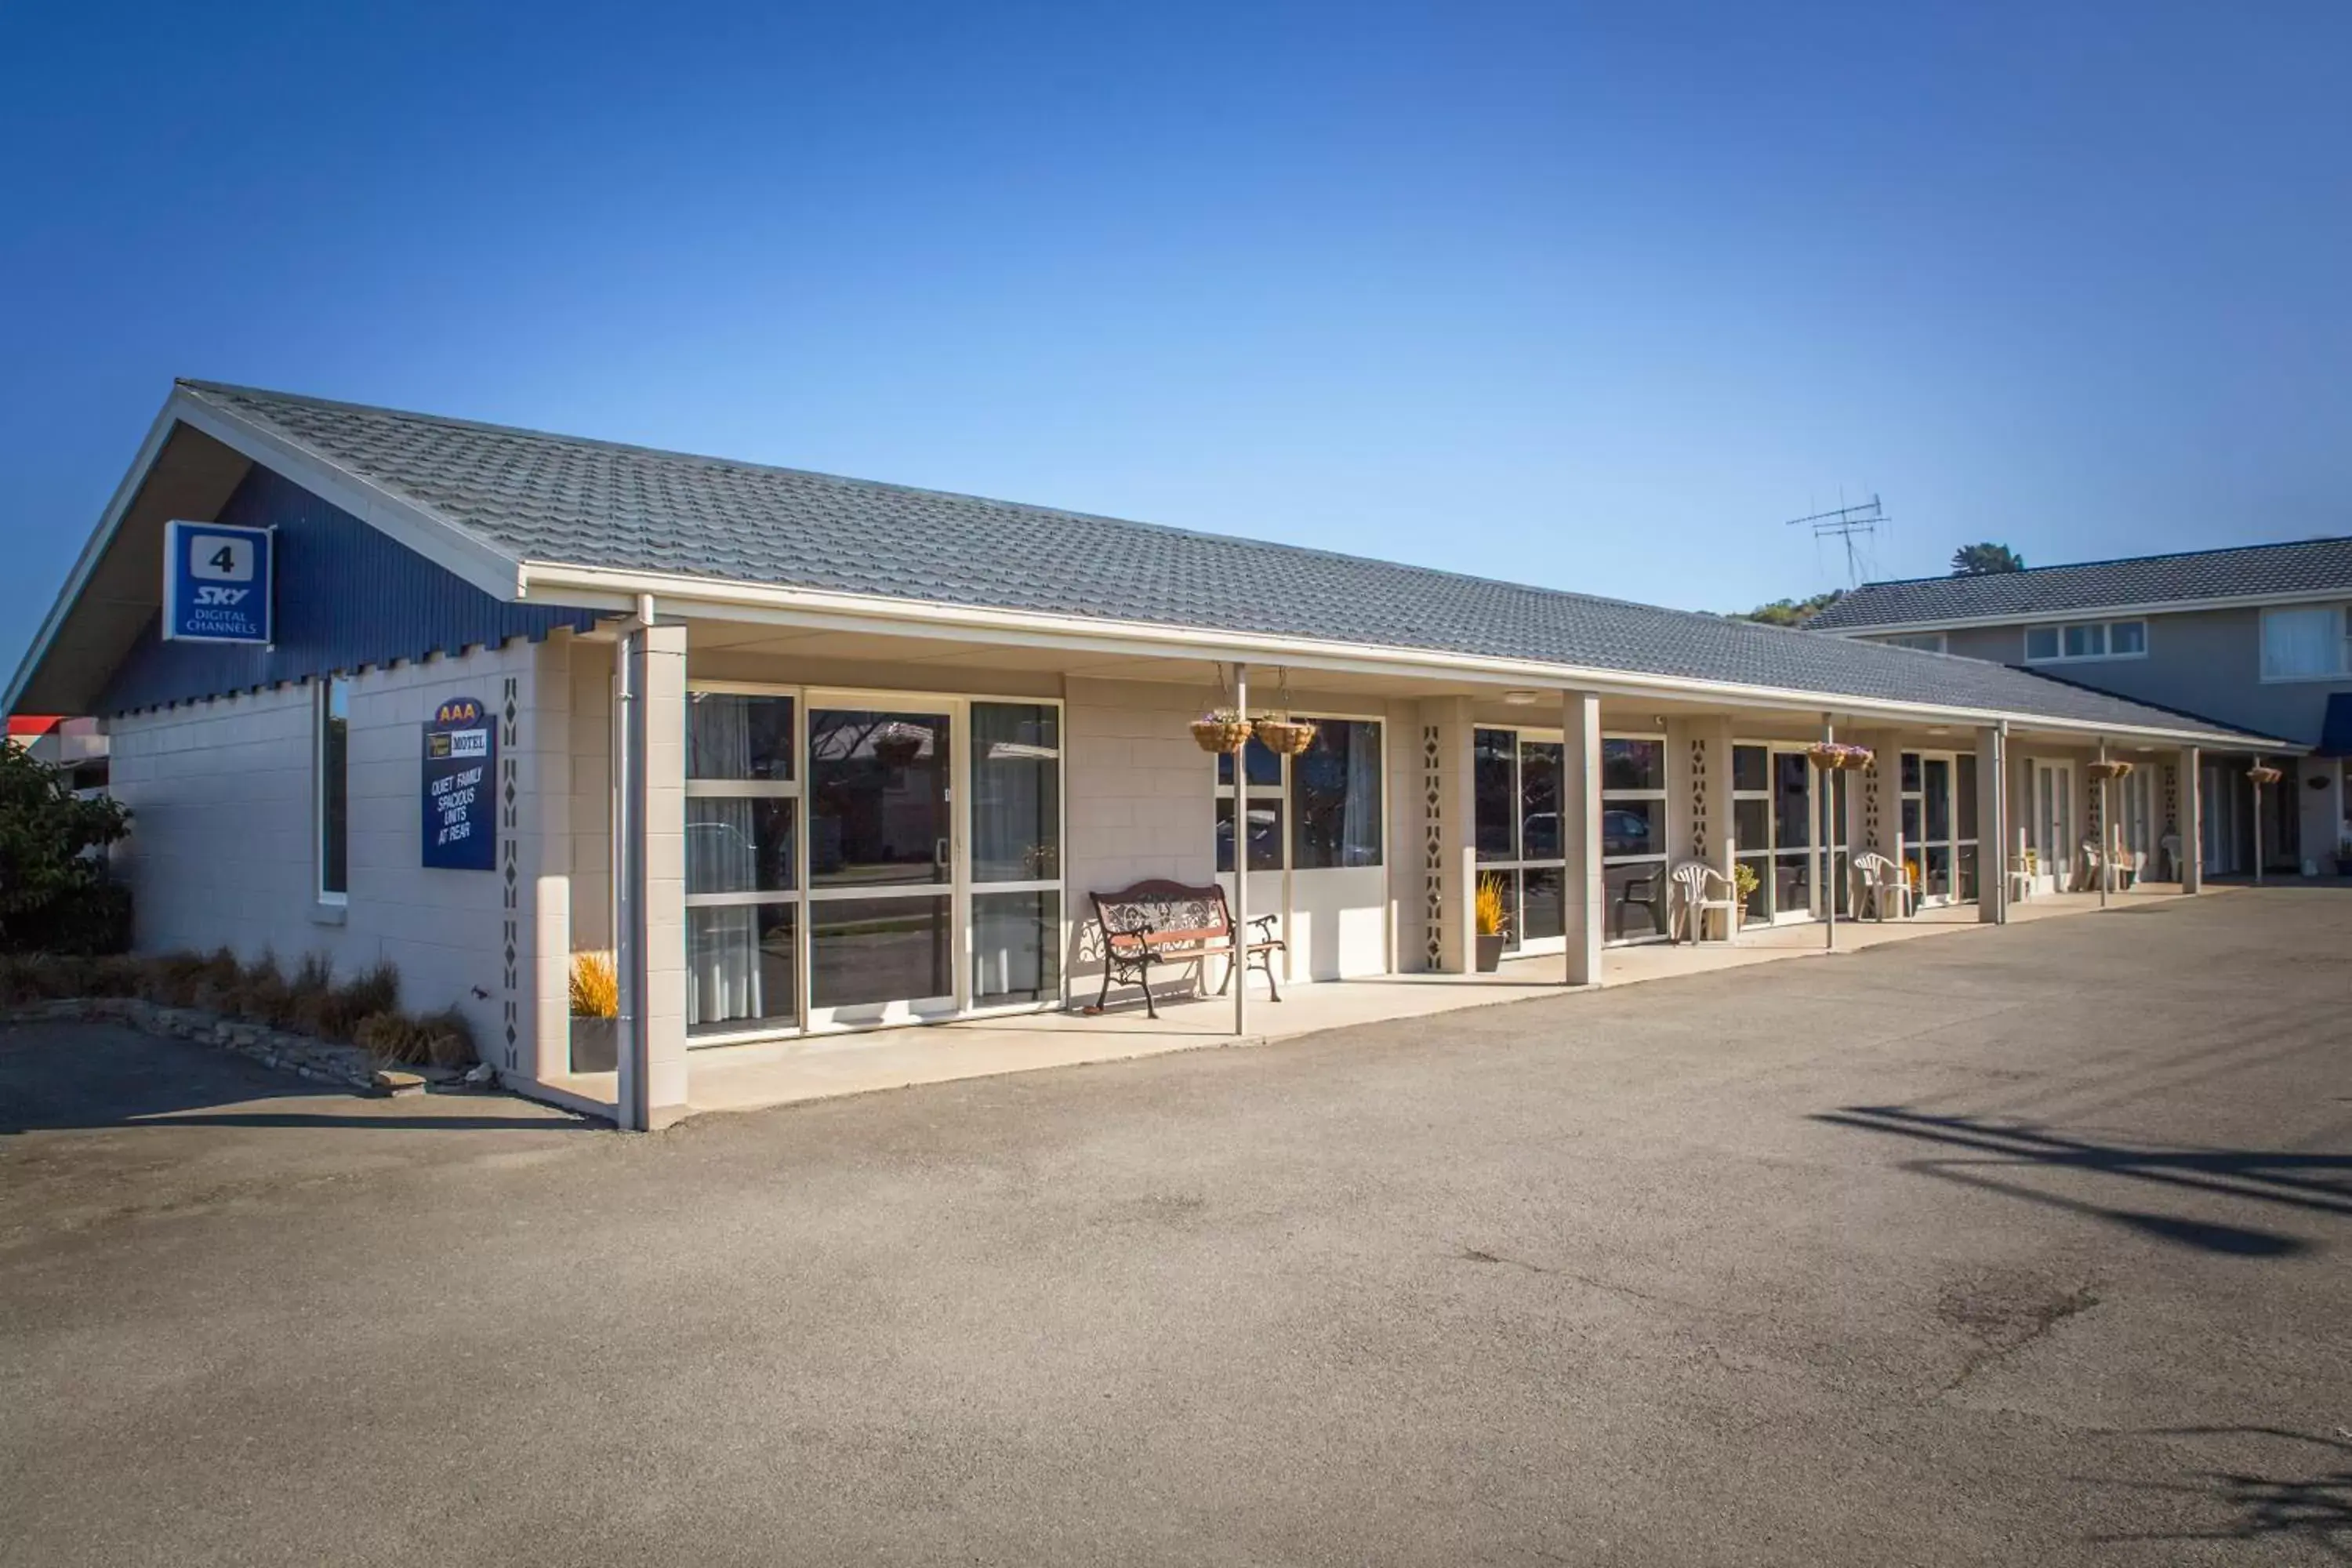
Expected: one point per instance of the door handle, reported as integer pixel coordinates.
(939, 852)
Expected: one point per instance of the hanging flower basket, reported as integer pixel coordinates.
(1221, 729)
(2113, 770)
(1285, 737)
(1835, 755)
(2264, 773)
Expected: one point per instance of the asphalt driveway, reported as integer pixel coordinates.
(2006, 1247)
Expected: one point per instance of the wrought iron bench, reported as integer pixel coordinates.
(1163, 923)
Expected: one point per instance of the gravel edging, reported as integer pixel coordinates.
(321, 1061)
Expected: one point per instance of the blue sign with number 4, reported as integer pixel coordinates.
(217, 582)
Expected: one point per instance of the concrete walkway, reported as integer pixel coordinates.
(748, 1078)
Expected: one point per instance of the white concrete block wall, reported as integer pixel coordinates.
(591, 799)
(222, 844)
(1140, 798)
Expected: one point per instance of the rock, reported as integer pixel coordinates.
(481, 1075)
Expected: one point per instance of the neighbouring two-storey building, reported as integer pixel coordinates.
(2257, 638)
(814, 756)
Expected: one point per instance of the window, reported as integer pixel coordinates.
(1633, 832)
(1335, 797)
(742, 862)
(334, 764)
(2086, 639)
(1017, 853)
(2308, 643)
(1925, 642)
(1330, 795)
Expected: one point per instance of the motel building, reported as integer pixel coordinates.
(817, 758)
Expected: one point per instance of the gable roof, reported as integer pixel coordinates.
(2306, 566)
(527, 507)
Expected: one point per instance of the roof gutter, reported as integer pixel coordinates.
(606, 589)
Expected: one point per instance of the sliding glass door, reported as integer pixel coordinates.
(1939, 826)
(1775, 822)
(860, 858)
(1516, 785)
(881, 864)
(1017, 853)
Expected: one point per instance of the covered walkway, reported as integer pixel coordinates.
(746, 1078)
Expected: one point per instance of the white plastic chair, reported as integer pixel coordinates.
(1875, 877)
(1694, 883)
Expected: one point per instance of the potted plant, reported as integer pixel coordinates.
(1222, 730)
(1492, 918)
(1743, 881)
(596, 1012)
(1837, 755)
(1284, 737)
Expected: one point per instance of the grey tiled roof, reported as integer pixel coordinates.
(558, 500)
(2309, 566)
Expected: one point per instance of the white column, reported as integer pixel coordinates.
(651, 877)
(545, 1047)
(1583, 891)
(2192, 824)
(1993, 824)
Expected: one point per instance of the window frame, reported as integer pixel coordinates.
(322, 711)
(1921, 642)
(964, 890)
(1281, 793)
(2061, 631)
(2340, 612)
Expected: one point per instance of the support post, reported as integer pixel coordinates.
(1241, 857)
(1585, 890)
(1993, 824)
(2106, 825)
(2257, 785)
(2191, 824)
(649, 875)
(1825, 883)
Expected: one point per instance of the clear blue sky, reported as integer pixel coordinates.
(1589, 296)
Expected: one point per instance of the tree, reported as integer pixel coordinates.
(55, 895)
(1791, 612)
(1983, 560)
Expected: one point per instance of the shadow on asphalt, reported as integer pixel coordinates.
(2291, 1180)
(2315, 1508)
(61, 1077)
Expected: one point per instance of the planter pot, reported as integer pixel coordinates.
(595, 1044)
(1490, 953)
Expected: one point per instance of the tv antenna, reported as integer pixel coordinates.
(1847, 523)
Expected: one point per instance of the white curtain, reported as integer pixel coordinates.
(1359, 822)
(721, 857)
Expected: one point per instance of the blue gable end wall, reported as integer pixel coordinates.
(347, 596)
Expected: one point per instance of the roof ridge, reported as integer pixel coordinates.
(893, 487)
(2109, 560)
